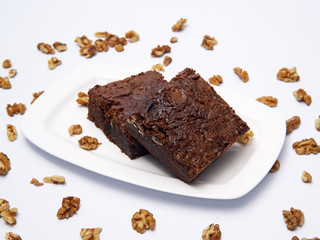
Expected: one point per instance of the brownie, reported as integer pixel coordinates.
(110, 105)
(186, 125)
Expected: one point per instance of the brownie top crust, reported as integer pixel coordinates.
(191, 122)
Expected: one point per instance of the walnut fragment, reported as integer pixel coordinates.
(36, 95)
(12, 72)
(5, 83)
(268, 100)
(143, 220)
(160, 50)
(243, 75)
(89, 143)
(36, 182)
(75, 129)
(9, 216)
(90, 233)
(293, 218)
(4, 166)
(53, 63)
(317, 123)
(246, 137)
(11, 132)
(6, 63)
(167, 60)
(208, 42)
(70, 205)
(15, 109)
(216, 80)
(293, 123)
(306, 177)
(45, 48)
(55, 179)
(60, 47)
(301, 95)
(12, 236)
(275, 167)
(158, 67)
(306, 146)
(132, 35)
(83, 99)
(179, 25)
(4, 205)
(288, 75)
(212, 232)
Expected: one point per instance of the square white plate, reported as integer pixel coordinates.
(232, 175)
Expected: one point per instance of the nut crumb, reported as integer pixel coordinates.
(288, 75)
(246, 137)
(306, 177)
(83, 99)
(4, 166)
(243, 75)
(293, 218)
(142, 221)
(160, 50)
(11, 132)
(275, 166)
(293, 123)
(36, 95)
(5, 83)
(53, 63)
(132, 35)
(216, 80)
(75, 129)
(15, 109)
(306, 146)
(173, 39)
(12, 72)
(60, 47)
(6, 63)
(45, 48)
(12, 236)
(9, 216)
(90, 233)
(55, 179)
(89, 143)
(208, 42)
(212, 232)
(158, 67)
(70, 205)
(269, 101)
(301, 95)
(36, 182)
(167, 60)
(179, 25)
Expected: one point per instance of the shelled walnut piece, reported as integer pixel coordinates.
(167, 60)
(90, 233)
(55, 179)
(293, 123)
(208, 42)
(5, 83)
(143, 220)
(83, 99)
(296, 238)
(288, 75)
(158, 67)
(246, 137)
(6, 63)
(15, 109)
(11, 132)
(243, 75)
(132, 35)
(60, 47)
(216, 80)
(306, 146)
(101, 45)
(12, 236)
(268, 100)
(89, 143)
(53, 63)
(4, 166)
(179, 25)
(45, 48)
(12, 72)
(36, 95)
(301, 95)
(306, 177)
(36, 182)
(9, 216)
(293, 218)
(4, 205)
(212, 232)
(317, 123)
(160, 50)
(75, 129)
(70, 205)
(173, 39)
(275, 167)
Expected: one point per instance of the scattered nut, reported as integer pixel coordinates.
(174, 40)
(246, 137)
(11, 132)
(293, 218)
(53, 63)
(36, 182)
(89, 143)
(306, 177)
(36, 95)
(6, 63)
(55, 179)
(12, 236)
(83, 41)
(5, 83)
(88, 51)
(216, 80)
(288, 75)
(70, 205)
(9, 216)
(212, 232)
(101, 45)
(293, 123)
(142, 221)
(158, 67)
(306, 146)
(317, 123)
(60, 47)
(45, 48)
(275, 166)
(301, 95)
(102, 34)
(4, 166)
(90, 233)
(4, 205)
(12, 72)
(208, 42)
(119, 47)
(75, 129)
(243, 75)
(167, 60)
(83, 99)
(179, 25)
(160, 50)
(269, 101)
(15, 109)
(133, 36)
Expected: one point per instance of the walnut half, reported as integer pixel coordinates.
(293, 123)
(306, 146)
(142, 221)
(70, 205)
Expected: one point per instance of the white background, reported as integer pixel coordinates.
(260, 37)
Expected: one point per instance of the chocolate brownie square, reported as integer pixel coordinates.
(110, 105)
(186, 125)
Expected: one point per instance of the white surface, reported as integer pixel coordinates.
(260, 37)
(233, 175)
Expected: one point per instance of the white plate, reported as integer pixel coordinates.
(231, 176)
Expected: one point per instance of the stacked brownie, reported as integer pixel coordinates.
(184, 123)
